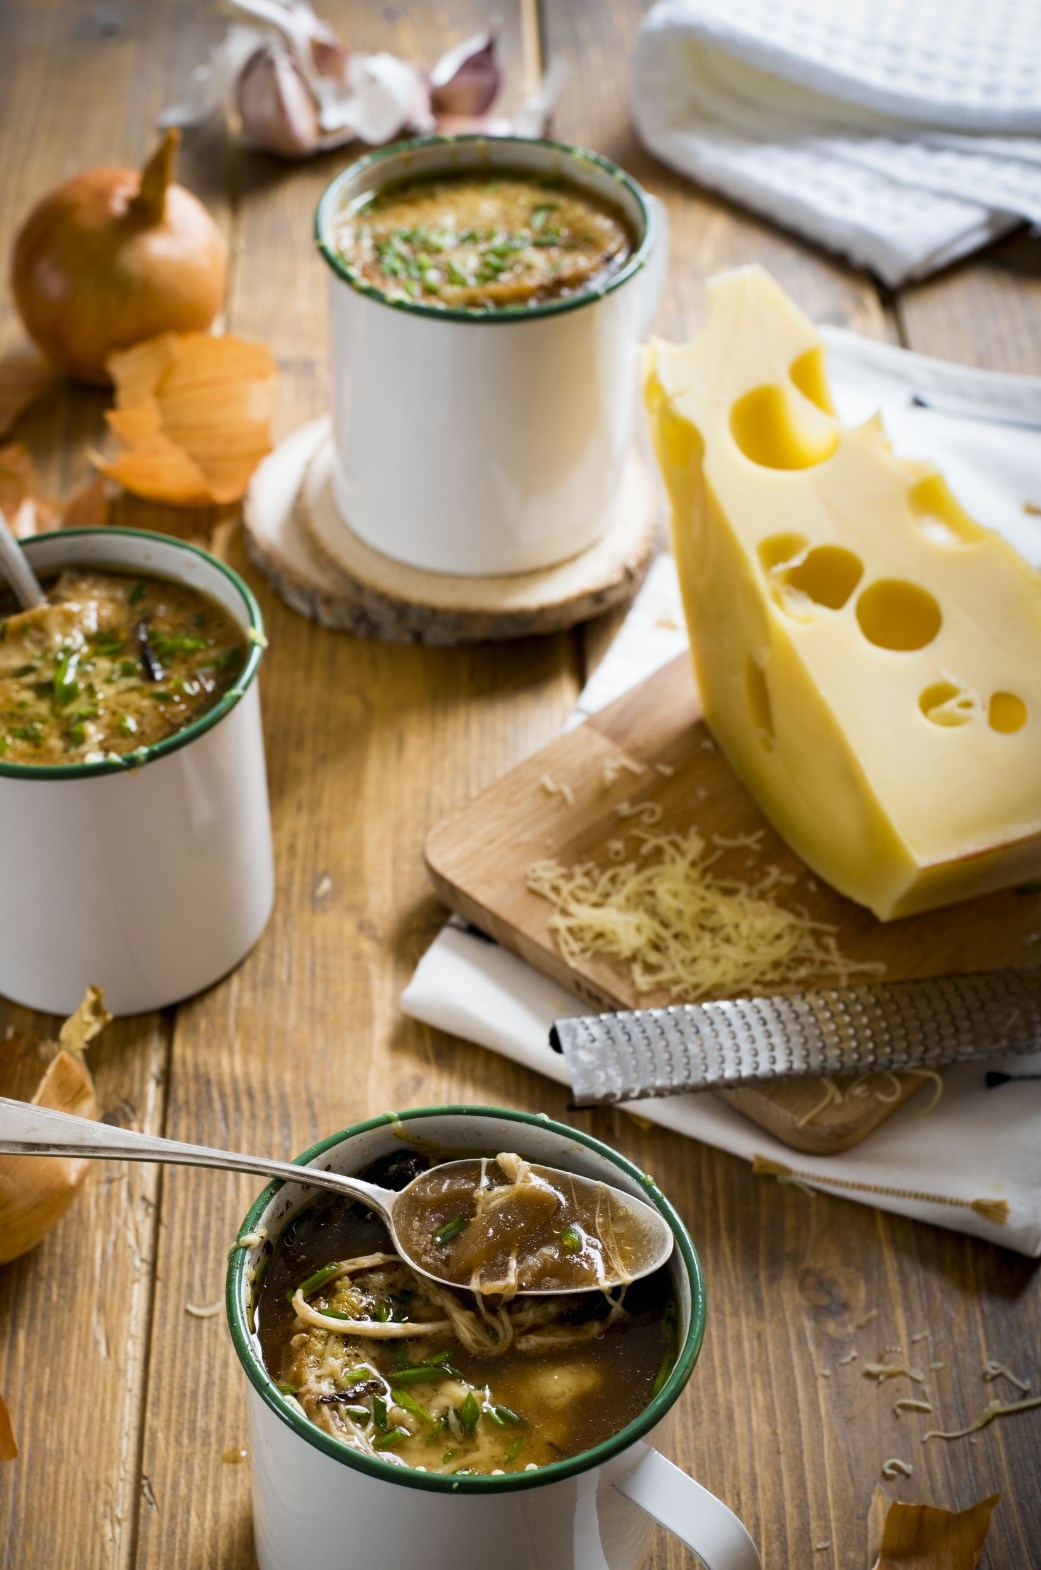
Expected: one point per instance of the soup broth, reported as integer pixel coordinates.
(445, 1380)
(112, 663)
(483, 242)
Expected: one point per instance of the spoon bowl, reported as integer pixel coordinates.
(16, 571)
(470, 1188)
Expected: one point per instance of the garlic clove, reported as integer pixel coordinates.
(275, 105)
(384, 96)
(467, 79)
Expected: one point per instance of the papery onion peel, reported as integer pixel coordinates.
(36, 1191)
(195, 415)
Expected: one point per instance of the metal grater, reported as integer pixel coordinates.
(837, 1030)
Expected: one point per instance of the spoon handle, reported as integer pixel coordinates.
(15, 568)
(39, 1131)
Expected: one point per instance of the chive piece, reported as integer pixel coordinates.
(505, 1415)
(468, 1414)
(449, 1455)
(409, 1404)
(424, 1373)
(128, 667)
(450, 1229)
(391, 1439)
(65, 688)
(77, 735)
(515, 1449)
(5, 745)
(137, 594)
(379, 1413)
(334, 1313)
(570, 1240)
(128, 725)
(288, 1390)
(383, 1313)
(319, 1279)
(26, 670)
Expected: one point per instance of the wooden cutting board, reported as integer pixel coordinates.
(479, 857)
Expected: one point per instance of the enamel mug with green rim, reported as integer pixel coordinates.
(486, 442)
(318, 1502)
(151, 875)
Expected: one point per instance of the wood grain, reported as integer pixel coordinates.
(124, 1403)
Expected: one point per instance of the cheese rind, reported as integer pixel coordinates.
(869, 657)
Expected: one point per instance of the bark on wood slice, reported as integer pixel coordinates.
(298, 540)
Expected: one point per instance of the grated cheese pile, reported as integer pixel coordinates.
(682, 932)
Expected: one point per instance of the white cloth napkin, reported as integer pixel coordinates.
(978, 1146)
(903, 133)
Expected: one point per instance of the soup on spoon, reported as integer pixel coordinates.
(507, 1225)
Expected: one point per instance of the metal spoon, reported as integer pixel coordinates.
(14, 567)
(39, 1131)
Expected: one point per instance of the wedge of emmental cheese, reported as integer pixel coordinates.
(868, 656)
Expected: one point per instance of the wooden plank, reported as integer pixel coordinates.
(367, 745)
(75, 1322)
(75, 1315)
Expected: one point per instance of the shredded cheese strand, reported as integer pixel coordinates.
(680, 931)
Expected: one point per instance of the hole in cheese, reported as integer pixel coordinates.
(827, 575)
(895, 614)
(945, 703)
(809, 375)
(777, 430)
(778, 549)
(1006, 712)
(940, 517)
(759, 706)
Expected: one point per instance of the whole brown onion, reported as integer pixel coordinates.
(115, 256)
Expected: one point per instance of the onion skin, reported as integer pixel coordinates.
(115, 256)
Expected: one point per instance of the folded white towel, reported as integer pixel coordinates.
(978, 1151)
(901, 134)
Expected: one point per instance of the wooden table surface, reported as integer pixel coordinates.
(126, 1406)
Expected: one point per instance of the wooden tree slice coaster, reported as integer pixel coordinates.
(296, 537)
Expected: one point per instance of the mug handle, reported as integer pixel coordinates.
(654, 272)
(690, 1513)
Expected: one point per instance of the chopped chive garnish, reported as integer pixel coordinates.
(450, 1229)
(65, 687)
(127, 724)
(570, 1240)
(409, 1403)
(424, 1373)
(26, 670)
(137, 594)
(505, 1416)
(379, 1413)
(515, 1449)
(288, 1390)
(319, 1279)
(391, 1439)
(383, 1313)
(468, 1414)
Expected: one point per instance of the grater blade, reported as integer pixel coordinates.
(725, 1044)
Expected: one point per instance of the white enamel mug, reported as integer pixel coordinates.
(318, 1502)
(150, 875)
(486, 442)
